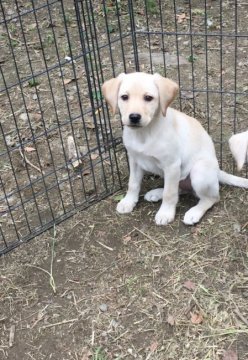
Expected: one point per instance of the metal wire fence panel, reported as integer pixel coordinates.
(60, 150)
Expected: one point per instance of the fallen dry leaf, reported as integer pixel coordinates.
(86, 172)
(154, 346)
(171, 320)
(126, 239)
(181, 18)
(87, 354)
(36, 116)
(76, 164)
(230, 355)
(90, 125)
(196, 318)
(189, 285)
(29, 149)
(68, 81)
(72, 153)
(94, 156)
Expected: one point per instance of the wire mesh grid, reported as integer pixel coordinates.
(60, 150)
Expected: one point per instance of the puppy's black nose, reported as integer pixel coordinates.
(134, 118)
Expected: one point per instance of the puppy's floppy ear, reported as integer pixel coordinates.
(238, 144)
(110, 91)
(168, 90)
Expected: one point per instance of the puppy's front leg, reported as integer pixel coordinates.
(127, 204)
(166, 213)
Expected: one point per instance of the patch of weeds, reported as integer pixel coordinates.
(118, 198)
(13, 29)
(50, 39)
(151, 7)
(198, 12)
(111, 29)
(33, 82)
(192, 58)
(14, 43)
(97, 95)
(99, 354)
(68, 20)
(131, 283)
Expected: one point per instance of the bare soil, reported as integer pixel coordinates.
(103, 286)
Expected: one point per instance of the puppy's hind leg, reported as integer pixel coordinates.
(205, 183)
(154, 195)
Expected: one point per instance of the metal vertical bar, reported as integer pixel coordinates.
(162, 36)
(177, 47)
(235, 65)
(221, 83)
(192, 56)
(133, 34)
(206, 62)
(148, 36)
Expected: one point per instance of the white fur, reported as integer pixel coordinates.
(238, 144)
(167, 143)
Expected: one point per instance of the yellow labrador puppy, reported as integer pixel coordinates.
(166, 142)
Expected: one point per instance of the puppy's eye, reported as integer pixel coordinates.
(124, 97)
(148, 98)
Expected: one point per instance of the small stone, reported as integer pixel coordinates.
(237, 227)
(23, 117)
(35, 97)
(103, 307)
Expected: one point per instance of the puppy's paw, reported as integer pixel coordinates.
(125, 206)
(192, 216)
(164, 217)
(154, 195)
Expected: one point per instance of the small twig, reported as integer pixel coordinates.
(104, 270)
(244, 226)
(92, 334)
(58, 323)
(148, 236)
(240, 316)
(121, 335)
(52, 282)
(11, 335)
(29, 162)
(105, 246)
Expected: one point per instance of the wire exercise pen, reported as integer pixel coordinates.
(60, 149)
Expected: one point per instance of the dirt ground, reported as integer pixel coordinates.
(102, 286)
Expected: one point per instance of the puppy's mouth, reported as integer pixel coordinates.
(134, 125)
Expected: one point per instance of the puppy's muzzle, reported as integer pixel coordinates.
(134, 119)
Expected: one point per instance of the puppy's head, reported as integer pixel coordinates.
(140, 97)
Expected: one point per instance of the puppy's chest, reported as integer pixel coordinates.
(147, 162)
(146, 154)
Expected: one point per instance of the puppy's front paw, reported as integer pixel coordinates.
(125, 206)
(164, 217)
(192, 216)
(154, 195)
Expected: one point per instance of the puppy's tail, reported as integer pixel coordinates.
(228, 179)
